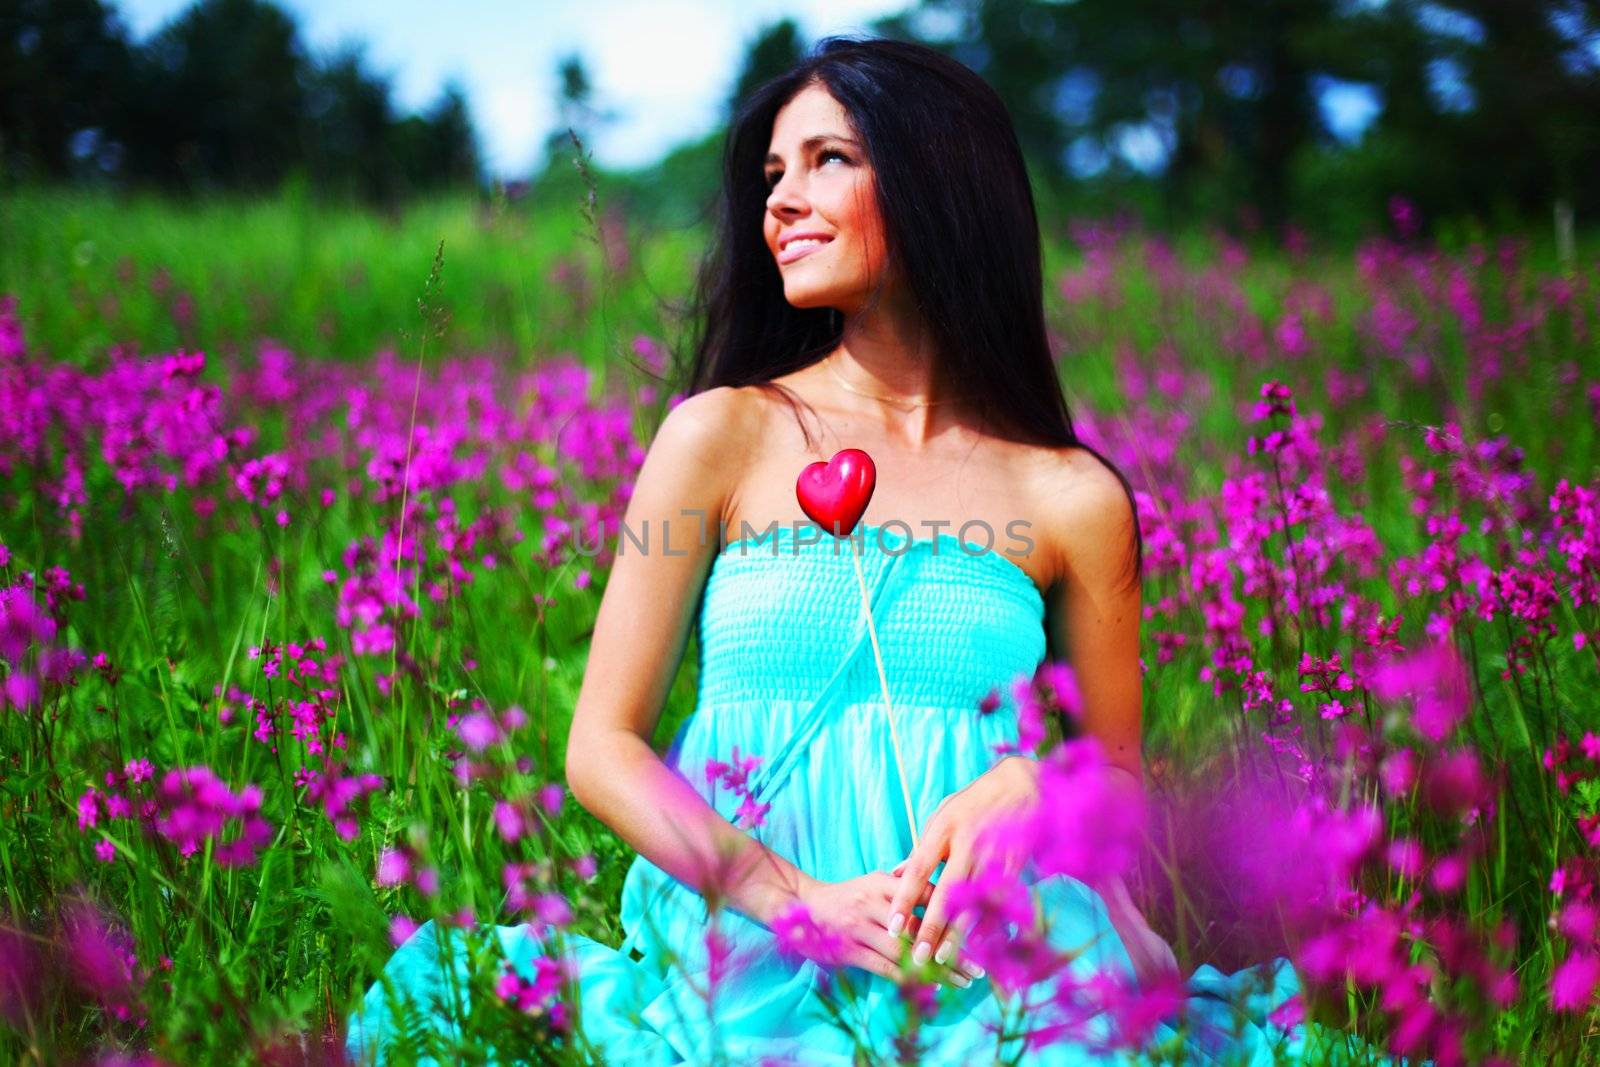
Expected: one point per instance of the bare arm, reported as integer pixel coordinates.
(640, 632)
(1095, 609)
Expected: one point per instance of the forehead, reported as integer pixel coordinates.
(812, 112)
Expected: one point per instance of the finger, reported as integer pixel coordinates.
(930, 938)
(886, 944)
(878, 939)
(957, 931)
(917, 870)
(961, 973)
(959, 928)
(869, 933)
(954, 947)
(874, 928)
(867, 959)
(890, 885)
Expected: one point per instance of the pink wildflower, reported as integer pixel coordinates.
(1435, 680)
(1572, 986)
(800, 937)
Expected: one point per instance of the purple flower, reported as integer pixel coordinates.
(100, 957)
(801, 937)
(194, 806)
(1088, 821)
(341, 796)
(394, 867)
(20, 969)
(538, 997)
(1436, 682)
(552, 909)
(508, 821)
(89, 809)
(478, 730)
(401, 927)
(21, 690)
(735, 775)
(1572, 986)
(22, 623)
(998, 914)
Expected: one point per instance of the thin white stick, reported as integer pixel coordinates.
(883, 682)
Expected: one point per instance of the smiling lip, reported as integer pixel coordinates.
(789, 255)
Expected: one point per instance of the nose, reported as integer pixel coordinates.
(784, 199)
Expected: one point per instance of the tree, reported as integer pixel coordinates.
(222, 98)
(576, 108)
(349, 145)
(1534, 73)
(452, 141)
(774, 50)
(63, 66)
(438, 150)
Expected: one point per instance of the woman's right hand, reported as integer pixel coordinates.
(854, 909)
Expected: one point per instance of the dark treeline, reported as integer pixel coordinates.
(1476, 111)
(225, 96)
(1185, 111)
(1486, 108)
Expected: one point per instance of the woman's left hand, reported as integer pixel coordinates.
(952, 837)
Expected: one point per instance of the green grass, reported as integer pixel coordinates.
(176, 598)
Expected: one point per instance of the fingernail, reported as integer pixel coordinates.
(896, 921)
(944, 952)
(960, 979)
(920, 954)
(978, 972)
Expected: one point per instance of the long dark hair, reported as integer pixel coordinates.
(959, 220)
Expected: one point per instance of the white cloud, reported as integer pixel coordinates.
(665, 65)
(519, 117)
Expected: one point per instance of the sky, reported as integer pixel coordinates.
(666, 65)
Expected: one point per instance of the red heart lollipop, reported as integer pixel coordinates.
(835, 493)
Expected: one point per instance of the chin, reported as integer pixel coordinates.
(808, 299)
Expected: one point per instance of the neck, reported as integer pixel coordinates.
(889, 357)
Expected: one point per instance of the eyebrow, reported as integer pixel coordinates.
(812, 142)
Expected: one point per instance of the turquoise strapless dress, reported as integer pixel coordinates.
(786, 672)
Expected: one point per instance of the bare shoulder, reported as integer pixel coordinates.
(695, 460)
(1089, 520)
(710, 420)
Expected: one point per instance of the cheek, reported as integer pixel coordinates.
(877, 250)
(866, 225)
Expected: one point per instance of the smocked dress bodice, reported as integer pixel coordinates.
(787, 674)
(787, 669)
(952, 617)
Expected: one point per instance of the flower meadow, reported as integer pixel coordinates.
(289, 643)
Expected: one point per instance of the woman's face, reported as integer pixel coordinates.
(820, 184)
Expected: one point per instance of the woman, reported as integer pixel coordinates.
(877, 265)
